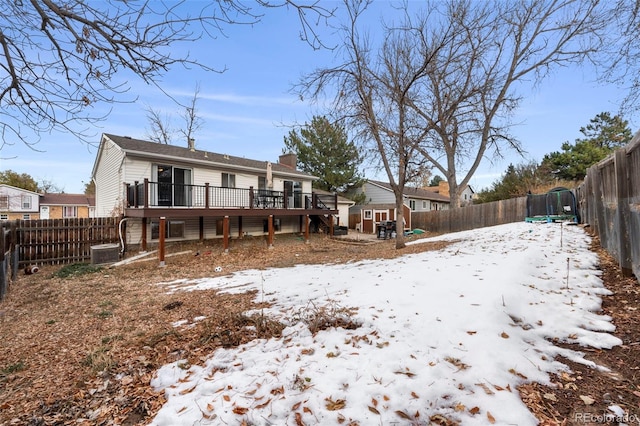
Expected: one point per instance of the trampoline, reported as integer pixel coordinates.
(557, 205)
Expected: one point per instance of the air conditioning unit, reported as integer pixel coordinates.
(105, 253)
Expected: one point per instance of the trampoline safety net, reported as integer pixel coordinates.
(559, 204)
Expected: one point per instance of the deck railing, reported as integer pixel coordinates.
(149, 194)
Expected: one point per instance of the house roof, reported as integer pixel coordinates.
(411, 192)
(67, 200)
(172, 152)
(3, 185)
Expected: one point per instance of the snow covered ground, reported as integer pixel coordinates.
(443, 333)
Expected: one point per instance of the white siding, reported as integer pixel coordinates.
(251, 226)
(20, 200)
(108, 180)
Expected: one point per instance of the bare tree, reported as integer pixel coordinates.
(192, 121)
(60, 59)
(620, 58)
(372, 99)
(440, 87)
(160, 129)
(472, 84)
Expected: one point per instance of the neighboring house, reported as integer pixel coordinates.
(466, 198)
(18, 203)
(379, 204)
(62, 206)
(202, 194)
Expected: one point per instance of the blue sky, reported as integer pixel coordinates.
(248, 108)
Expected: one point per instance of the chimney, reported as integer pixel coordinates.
(289, 160)
(443, 187)
(192, 144)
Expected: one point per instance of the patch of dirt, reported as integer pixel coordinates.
(82, 350)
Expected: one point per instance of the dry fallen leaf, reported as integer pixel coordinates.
(491, 419)
(264, 404)
(587, 399)
(240, 410)
(332, 405)
(474, 410)
(504, 335)
(373, 409)
(486, 388)
(403, 415)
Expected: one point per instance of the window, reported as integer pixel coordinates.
(368, 215)
(173, 229)
(228, 180)
(26, 216)
(424, 205)
(70, 211)
(412, 204)
(4, 202)
(26, 202)
(262, 182)
(4, 216)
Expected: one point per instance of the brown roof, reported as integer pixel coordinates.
(67, 200)
(416, 192)
(151, 149)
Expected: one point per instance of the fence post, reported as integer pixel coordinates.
(622, 211)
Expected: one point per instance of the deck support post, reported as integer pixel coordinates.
(144, 234)
(271, 232)
(240, 233)
(225, 232)
(331, 225)
(306, 229)
(161, 241)
(201, 227)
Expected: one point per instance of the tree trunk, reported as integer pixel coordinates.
(399, 222)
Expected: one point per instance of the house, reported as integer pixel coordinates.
(380, 204)
(18, 203)
(63, 206)
(200, 195)
(466, 198)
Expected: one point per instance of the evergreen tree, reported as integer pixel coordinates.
(19, 180)
(435, 181)
(602, 136)
(516, 182)
(324, 150)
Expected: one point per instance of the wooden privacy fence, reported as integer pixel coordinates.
(8, 260)
(471, 217)
(60, 241)
(609, 201)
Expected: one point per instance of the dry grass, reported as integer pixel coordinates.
(79, 346)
